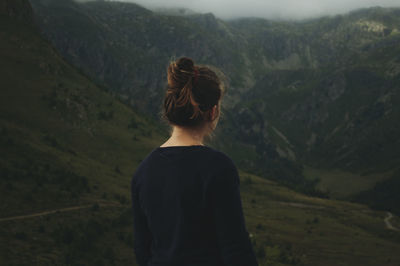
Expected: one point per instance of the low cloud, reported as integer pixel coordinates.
(271, 9)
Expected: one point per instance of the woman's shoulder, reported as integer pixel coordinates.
(222, 158)
(224, 170)
(223, 166)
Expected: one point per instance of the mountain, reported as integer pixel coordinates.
(69, 149)
(305, 99)
(340, 118)
(174, 11)
(124, 45)
(128, 48)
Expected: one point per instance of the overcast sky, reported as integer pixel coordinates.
(272, 9)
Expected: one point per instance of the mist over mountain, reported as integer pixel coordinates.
(276, 10)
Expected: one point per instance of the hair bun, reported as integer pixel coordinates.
(180, 73)
(185, 64)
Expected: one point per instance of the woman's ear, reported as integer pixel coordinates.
(213, 113)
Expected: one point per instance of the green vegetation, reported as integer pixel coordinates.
(66, 144)
(341, 184)
(384, 194)
(294, 229)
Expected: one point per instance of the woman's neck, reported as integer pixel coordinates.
(184, 137)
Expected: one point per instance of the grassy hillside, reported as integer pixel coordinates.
(383, 195)
(64, 143)
(56, 123)
(292, 228)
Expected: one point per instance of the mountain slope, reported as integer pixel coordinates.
(64, 143)
(53, 111)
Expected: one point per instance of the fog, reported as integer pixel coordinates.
(271, 9)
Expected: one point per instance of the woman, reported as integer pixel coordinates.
(185, 195)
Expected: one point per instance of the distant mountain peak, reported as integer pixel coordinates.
(174, 11)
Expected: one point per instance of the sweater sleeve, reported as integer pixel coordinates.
(142, 236)
(233, 238)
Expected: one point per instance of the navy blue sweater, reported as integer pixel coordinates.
(187, 209)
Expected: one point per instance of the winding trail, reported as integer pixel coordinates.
(68, 209)
(300, 205)
(388, 224)
(75, 208)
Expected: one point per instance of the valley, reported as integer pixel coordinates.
(319, 93)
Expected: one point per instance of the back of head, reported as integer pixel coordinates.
(191, 94)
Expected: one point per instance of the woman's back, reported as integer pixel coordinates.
(187, 209)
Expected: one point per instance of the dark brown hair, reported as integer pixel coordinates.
(191, 93)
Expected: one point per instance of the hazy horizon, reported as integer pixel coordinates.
(284, 9)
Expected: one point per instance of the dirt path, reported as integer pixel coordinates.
(300, 205)
(68, 209)
(388, 224)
